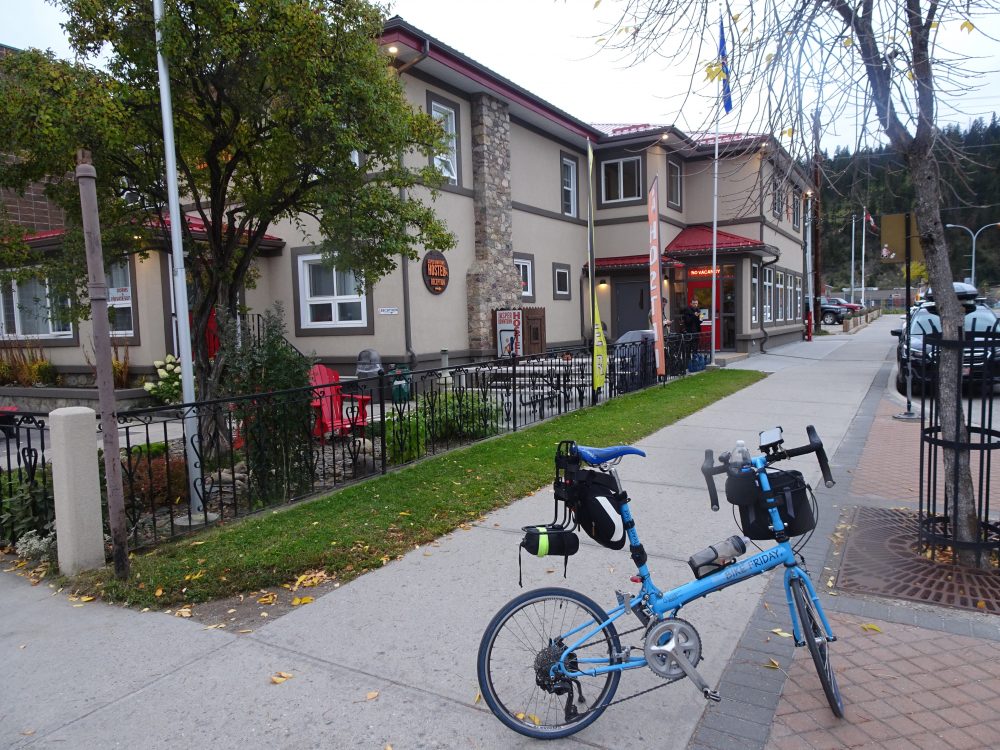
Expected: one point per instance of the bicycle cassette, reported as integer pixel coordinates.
(660, 659)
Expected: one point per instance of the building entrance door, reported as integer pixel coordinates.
(700, 288)
(631, 307)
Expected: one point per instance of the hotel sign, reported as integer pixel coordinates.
(435, 271)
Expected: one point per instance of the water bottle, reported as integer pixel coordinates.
(739, 457)
(717, 556)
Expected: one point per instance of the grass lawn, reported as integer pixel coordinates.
(366, 525)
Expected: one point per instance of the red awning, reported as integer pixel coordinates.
(623, 262)
(697, 240)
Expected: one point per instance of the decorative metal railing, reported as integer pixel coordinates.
(249, 453)
(975, 380)
(26, 500)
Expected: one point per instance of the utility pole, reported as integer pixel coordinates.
(97, 289)
(817, 209)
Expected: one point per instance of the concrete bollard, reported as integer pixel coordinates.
(76, 486)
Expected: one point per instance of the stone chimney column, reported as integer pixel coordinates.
(492, 280)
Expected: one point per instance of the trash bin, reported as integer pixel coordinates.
(367, 370)
(401, 383)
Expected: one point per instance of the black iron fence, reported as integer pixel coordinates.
(26, 500)
(940, 488)
(249, 453)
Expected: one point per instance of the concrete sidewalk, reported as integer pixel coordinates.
(389, 659)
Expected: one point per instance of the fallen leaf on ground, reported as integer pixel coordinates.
(246, 630)
(479, 697)
(372, 695)
(871, 626)
(782, 633)
(279, 677)
(772, 664)
(302, 600)
(158, 592)
(268, 598)
(183, 611)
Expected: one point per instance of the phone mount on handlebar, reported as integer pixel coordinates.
(771, 440)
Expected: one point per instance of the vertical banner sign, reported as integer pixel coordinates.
(600, 363)
(655, 277)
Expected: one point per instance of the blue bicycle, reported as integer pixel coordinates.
(551, 659)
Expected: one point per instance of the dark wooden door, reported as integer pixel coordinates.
(534, 330)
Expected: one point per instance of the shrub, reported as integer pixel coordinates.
(154, 481)
(42, 372)
(438, 419)
(6, 372)
(167, 389)
(36, 547)
(27, 509)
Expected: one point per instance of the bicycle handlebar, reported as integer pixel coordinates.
(709, 469)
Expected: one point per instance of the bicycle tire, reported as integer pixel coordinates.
(819, 647)
(511, 648)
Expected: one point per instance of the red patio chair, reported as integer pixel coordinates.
(329, 399)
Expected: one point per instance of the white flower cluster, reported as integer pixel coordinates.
(168, 370)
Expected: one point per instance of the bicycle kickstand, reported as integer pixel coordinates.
(678, 655)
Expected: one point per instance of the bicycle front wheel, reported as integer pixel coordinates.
(521, 645)
(819, 647)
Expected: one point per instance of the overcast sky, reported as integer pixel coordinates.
(548, 47)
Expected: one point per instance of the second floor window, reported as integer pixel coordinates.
(28, 311)
(777, 198)
(620, 180)
(568, 186)
(329, 296)
(796, 208)
(447, 163)
(674, 183)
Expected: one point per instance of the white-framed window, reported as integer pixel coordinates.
(523, 266)
(754, 292)
(28, 311)
(568, 178)
(120, 315)
(796, 208)
(780, 300)
(560, 281)
(768, 291)
(798, 298)
(675, 176)
(777, 198)
(789, 297)
(328, 297)
(620, 180)
(447, 117)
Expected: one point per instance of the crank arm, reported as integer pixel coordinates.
(670, 647)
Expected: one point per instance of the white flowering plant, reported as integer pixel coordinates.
(168, 388)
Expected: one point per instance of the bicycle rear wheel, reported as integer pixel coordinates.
(518, 649)
(819, 647)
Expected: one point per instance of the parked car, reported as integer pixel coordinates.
(918, 357)
(852, 306)
(831, 314)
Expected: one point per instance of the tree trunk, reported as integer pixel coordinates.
(964, 516)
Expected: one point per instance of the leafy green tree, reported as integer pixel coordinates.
(282, 109)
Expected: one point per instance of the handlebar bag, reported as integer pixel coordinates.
(597, 507)
(791, 494)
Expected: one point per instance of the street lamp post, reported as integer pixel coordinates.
(974, 236)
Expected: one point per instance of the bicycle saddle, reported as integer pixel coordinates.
(595, 456)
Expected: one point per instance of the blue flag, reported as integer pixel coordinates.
(727, 98)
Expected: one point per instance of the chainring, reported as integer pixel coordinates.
(662, 632)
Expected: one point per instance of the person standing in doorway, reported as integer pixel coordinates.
(691, 323)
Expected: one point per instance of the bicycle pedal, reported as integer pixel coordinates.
(712, 695)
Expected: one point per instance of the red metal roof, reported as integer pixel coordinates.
(697, 240)
(628, 261)
(194, 223)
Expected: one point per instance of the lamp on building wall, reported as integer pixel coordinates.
(602, 283)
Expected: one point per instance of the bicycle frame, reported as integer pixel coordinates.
(661, 603)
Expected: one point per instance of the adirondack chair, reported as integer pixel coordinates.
(334, 416)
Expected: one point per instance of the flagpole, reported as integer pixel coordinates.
(864, 232)
(724, 102)
(599, 350)
(854, 218)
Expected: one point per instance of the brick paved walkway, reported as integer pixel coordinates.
(903, 687)
(906, 686)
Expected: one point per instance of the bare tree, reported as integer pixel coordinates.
(802, 67)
